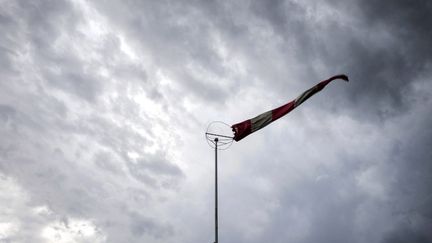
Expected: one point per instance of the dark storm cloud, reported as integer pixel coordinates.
(386, 72)
(384, 50)
(392, 53)
(411, 192)
(388, 75)
(350, 166)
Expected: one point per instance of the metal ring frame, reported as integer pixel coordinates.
(223, 141)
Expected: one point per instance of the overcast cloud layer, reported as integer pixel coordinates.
(104, 105)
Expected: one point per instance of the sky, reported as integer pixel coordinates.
(104, 106)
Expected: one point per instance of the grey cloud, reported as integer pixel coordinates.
(406, 234)
(155, 171)
(105, 161)
(411, 193)
(390, 55)
(384, 50)
(7, 113)
(35, 34)
(75, 135)
(58, 142)
(157, 25)
(141, 225)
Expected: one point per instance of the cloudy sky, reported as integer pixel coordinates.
(104, 105)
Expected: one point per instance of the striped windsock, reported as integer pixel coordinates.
(247, 127)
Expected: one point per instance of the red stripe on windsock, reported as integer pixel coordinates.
(283, 110)
(247, 127)
(241, 129)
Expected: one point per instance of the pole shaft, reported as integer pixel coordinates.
(216, 192)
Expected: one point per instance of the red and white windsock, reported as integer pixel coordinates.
(247, 127)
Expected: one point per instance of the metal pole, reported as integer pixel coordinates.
(216, 192)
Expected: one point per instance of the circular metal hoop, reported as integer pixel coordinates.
(220, 133)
